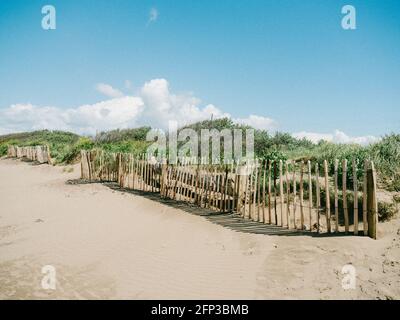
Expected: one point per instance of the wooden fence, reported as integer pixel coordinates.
(293, 195)
(40, 154)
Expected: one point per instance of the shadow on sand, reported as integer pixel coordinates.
(226, 219)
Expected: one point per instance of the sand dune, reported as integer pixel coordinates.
(109, 244)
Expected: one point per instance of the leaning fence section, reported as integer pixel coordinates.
(40, 153)
(315, 197)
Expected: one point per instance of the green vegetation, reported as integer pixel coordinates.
(386, 210)
(118, 135)
(65, 147)
(60, 142)
(386, 155)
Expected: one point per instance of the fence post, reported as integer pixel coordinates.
(259, 214)
(281, 189)
(269, 192)
(365, 222)
(197, 183)
(336, 196)
(327, 205)
(275, 195)
(287, 195)
(82, 157)
(119, 168)
(344, 194)
(301, 195)
(318, 194)
(310, 195)
(246, 192)
(263, 190)
(88, 159)
(251, 191)
(226, 187)
(355, 187)
(255, 210)
(294, 195)
(49, 159)
(236, 198)
(372, 204)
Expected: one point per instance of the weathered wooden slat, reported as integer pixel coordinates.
(310, 195)
(287, 195)
(225, 189)
(275, 194)
(237, 190)
(255, 191)
(318, 195)
(260, 215)
(263, 192)
(251, 192)
(281, 196)
(269, 193)
(372, 204)
(344, 195)
(355, 188)
(365, 184)
(327, 204)
(294, 195)
(301, 195)
(246, 192)
(208, 176)
(336, 195)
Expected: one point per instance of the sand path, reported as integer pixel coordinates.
(111, 244)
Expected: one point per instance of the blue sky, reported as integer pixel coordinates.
(288, 61)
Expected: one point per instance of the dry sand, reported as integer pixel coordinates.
(111, 244)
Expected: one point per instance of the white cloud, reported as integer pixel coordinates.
(154, 106)
(258, 122)
(86, 119)
(108, 90)
(336, 137)
(153, 15)
(22, 117)
(110, 114)
(163, 106)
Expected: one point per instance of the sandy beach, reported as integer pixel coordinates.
(111, 244)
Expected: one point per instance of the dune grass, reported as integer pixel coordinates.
(65, 147)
